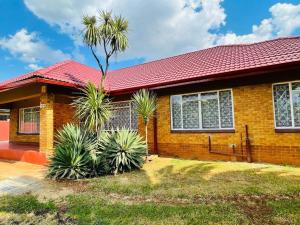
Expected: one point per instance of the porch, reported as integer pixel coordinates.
(26, 152)
(31, 124)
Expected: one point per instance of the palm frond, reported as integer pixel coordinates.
(146, 104)
(91, 32)
(92, 107)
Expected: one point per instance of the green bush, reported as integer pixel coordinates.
(75, 154)
(123, 149)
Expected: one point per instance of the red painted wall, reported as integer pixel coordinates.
(4, 130)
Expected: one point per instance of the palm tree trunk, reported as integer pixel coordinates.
(146, 137)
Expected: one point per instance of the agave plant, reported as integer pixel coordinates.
(75, 154)
(68, 163)
(124, 150)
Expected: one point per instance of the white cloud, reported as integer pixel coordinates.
(33, 66)
(284, 21)
(29, 48)
(160, 28)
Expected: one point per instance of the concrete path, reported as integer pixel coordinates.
(20, 177)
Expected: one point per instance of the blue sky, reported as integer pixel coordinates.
(38, 33)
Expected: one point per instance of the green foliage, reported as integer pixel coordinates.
(145, 103)
(25, 204)
(108, 32)
(92, 107)
(78, 154)
(124, 150)
(74, 156)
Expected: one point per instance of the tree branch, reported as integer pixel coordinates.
(107, 56)
(99, 64)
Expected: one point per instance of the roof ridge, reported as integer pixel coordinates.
(51, 68)
(205, 49)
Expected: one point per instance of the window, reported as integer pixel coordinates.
(124, 115)
(29, 120)
(202, 111)
(286, 97)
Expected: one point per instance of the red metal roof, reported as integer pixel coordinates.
(204, 64)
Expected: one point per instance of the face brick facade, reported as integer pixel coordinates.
(253, 106)
(249, 71)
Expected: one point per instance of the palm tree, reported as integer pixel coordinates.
(92, 108)
(146, 105)
(107, 32)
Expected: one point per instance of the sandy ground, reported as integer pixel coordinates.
(15, 169)
(20, 177)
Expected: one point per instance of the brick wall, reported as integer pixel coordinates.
(63, 113)
(46, 122)
(253, 107)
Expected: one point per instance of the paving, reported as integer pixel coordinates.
(20, 177)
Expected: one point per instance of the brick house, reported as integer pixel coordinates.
(237, 102)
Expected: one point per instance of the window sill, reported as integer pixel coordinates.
(287, 130)
(204, 131)
(19, 133)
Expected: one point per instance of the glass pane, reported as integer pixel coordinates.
(226, 109)
(190, 111)
(29, 120)
(121, 118)
(282, 105)
(134, 117)
(296, 86)
(35, 121)
(210, 110)
(176, 112)
(296, 103)
(296, 108)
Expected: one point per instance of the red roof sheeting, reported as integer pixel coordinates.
(203, 64)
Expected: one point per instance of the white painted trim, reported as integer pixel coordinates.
(200, 108)
(291, 104)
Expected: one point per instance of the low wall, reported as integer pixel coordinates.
(4, 130)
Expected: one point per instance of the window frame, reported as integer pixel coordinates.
(130, 117)
(291, 105)
(19, 122)
(220, 129)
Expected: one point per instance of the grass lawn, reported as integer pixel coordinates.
(170, 191)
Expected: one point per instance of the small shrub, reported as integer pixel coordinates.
(25, 204)
(124, 150)
(75, 156)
